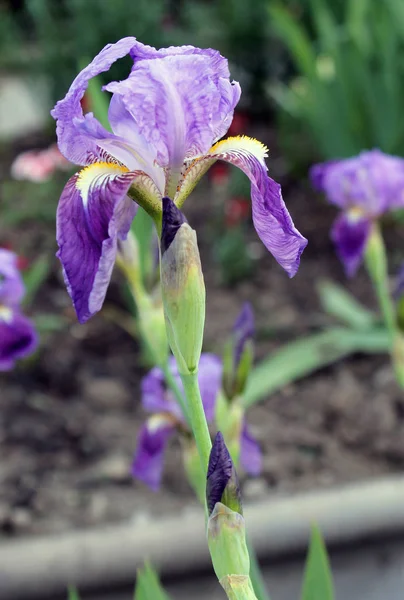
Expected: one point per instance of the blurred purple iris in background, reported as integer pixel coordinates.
(365, 187)
(17, 334)
(167, 419)
(166, 119)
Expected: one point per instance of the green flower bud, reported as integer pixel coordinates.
(183, 288)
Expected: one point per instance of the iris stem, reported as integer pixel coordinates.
(377, 266)
(197, 417)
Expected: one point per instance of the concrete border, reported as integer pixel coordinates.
(42, 567)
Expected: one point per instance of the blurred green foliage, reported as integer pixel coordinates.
(50, 37)
(349, 58)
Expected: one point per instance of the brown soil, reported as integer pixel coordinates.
(68, 421)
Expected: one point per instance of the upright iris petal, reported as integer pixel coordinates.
(365, 187)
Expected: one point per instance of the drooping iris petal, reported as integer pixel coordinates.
(271, 218)
(18, 337)
(350, 235)
(372, 181)
(11, 283)
(181, 100)
(93, 213)
(250, 452)
(73, 142)
(148, 462)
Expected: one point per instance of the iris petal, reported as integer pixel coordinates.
(271, 218)
(181, 100)
(350, 236)
(148, 462)
(18, 338)
(74, 143)
(93, 213)
(250, 452)
(11, 283)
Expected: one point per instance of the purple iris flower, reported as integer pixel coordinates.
(166, 119)
(17, 334)
(365, 187)
(167, 416)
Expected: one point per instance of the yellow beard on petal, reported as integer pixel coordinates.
(240, 143)
(87, 175)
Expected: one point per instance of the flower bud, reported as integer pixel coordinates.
(238, 355)
(222, 484)
(183, 288)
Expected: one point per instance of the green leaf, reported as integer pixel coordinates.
(148, 586)
(306, 355)
(317, 580)
(295, 37)
(72, 593)
(339, 303)
(35, 277)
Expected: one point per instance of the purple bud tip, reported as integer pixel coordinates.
(172, 221)
(220, 472)
(243, 330)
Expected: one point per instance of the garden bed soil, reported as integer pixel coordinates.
(69, 420)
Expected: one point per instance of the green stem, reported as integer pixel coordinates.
(377, 266)
(197, 417)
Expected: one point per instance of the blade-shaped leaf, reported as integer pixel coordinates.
(317, 581)
(148, 586)
(72, 593)
(306, 355)
(339, 303)
(35, 276)
(295, 37)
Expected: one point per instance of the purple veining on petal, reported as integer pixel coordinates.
(93, 213)
(73, 144)
(243, 331)
(148, 462)
(271, 218)
(181, 100)
(350, 236)
(11, 283)
(18, 338)
(250, 452)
